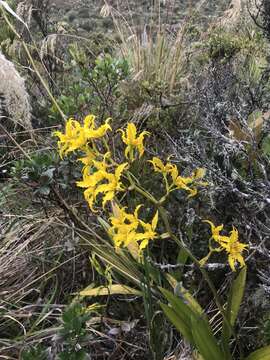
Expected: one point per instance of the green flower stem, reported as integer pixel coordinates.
(143, 192)
(105, 143)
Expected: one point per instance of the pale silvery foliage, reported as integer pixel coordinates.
(15, 100)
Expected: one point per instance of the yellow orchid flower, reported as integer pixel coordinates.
(178, 182)
(89, 127)
(160, 167)
(124, 226)
(149, 232)
(74, 138)
(114, 184)
(163, 169)
(230, 244)
(88, 159)
(124, 236)
(125, 229)
(94, 183)
(77, 136)
(215, 230)
(101, 164)
(234, 249)
(120, 216)
(90, 182)
(133, 141)
(181, 182)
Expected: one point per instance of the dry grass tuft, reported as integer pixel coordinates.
(154, 52)
(15, 99)
(38, 267)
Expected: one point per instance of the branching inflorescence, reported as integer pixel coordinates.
(103, 179)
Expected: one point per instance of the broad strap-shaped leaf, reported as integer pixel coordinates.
(234, 302)
(178, 321)
(205, 341)
(183, 293)
(110, 290)
(261, 354)
(181, 259)
(193, 325)
(237, 293)
(179, 306)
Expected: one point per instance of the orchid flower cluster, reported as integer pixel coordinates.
(177, 181)
(125, 229)
(230, 244)
(103, 179)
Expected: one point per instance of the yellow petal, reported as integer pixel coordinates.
(234, 234)
(127, 151)
(140, 149)
(120, 168)
(131, 132)
(241, 260)
(231, 262)
(89, 121)
(123, 136)
(144, 244)
(58, 134)
(157, 164)
(137, 210)
(213, 227)
(155, 221)
(109, 196)
(174, 173)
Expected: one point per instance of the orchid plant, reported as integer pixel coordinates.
(106, 182)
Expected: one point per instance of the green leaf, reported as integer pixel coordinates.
(181, 259)
(184, 294)
(261, 354)
(192, 324)
(179, 314)
(233, 304)
(179, 306)
(103, 223)
(266, 146)
(237, 293)
(178, 322)
(205, 341)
